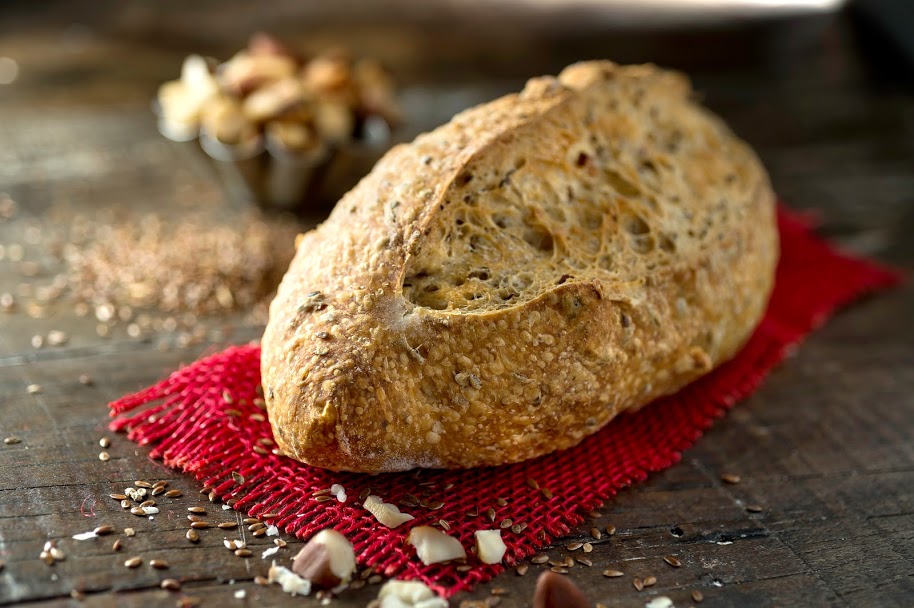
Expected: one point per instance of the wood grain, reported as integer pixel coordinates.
(826, 447)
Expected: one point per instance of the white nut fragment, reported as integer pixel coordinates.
(384, 512)
(409, 594)
(489, 546)
(327, 560)
(288, 580)
(433, 546)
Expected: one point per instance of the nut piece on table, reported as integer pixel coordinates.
(490, 548)
(556, 591)
(433, 546)
(327, 560)
(407, 594)
(384, 512)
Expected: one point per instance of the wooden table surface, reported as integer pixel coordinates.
(826, 447)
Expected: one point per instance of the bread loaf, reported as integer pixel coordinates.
(506, 284)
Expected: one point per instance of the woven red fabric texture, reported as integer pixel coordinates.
(206, 419)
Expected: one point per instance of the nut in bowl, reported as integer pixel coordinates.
(283, 132)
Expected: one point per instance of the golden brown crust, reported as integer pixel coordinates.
(506, 284)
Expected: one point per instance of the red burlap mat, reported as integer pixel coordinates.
(208, 424)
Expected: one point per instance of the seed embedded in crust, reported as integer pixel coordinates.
(672, 560)
(613, 573)
(133, 562)
(159, 564)
(730, 478)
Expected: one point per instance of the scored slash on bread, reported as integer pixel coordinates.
(506, 284)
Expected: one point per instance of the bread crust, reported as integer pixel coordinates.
(364, 371)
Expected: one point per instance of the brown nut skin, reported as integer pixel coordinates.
(313, 563)
(556, 591)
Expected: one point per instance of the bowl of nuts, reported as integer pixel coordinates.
(284, 132)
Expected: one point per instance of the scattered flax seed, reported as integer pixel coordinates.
(490, 513)
(227, 525)
(506, 523)
(12, 440)
(117, 545)
(104, 456)
(559, 570)
(243, 552)
(532, 483)
(613, 573)
(85, 379)
(192, 535)
(444, 524)
(568, 561)
(542, 558)
(697, 596)
(118, 496)
(730, 478)
(595, 515)
(574, 546)
(200, 525)
(472, 513)
(232, 412)
(170, 584)
(374, 579)
(584, 561)
(188, 601)
(160, 484)
(159, 564)
(103, 530)
(464, 568)
(672, 560)
(193, 517)
(158, 490)
(33, 389)
(499, 591)
(129, 531)
(435, 505)
(133, 562)
(259, 533)
(37, 341)
(638, 584)
(325, 498)
(249, 520)
(257, 526)
(269, 516)
(264, 581)
(501, 502)
(77, 595)
(212, 496)
(610, 529)
(173, 493)
(517, 528)
(650, 581)
(754, 508)
(104, 442)
(522, 569)
(261, 451)
(138, 511)
(57, 338)
(547, 494)
(142, 484)
(258, 417)
(596, 534)
(587, 547)
(230, 544)
(279, 542)
(57, 554)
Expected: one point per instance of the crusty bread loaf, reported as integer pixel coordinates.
(504, 285)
